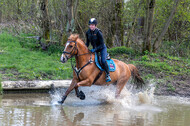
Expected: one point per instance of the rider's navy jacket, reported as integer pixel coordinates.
(95, 38)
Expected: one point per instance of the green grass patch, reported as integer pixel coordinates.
(19, 61)
(171, 87)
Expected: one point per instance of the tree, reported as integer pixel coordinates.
(32, 8)
(157, 42)
(148, 25)
(111, 26)
(0, 13)
(70, 16)
(119, 29)
(130, 31)
(45, 20)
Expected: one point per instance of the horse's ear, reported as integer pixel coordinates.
(74, 37)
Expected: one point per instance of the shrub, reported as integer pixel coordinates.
(171, 87)
(145, 58)
(121, 50)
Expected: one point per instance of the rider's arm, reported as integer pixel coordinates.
(101, 40)
(87, 40)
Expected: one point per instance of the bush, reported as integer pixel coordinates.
(121, 50)
(153, 54)
(171, 87)
(145, 58)
(55, 49)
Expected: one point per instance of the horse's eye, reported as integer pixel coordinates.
(70, 46)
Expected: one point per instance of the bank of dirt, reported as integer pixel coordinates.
(171, 75)
(168, 85)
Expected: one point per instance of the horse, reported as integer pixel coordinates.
(86, 73)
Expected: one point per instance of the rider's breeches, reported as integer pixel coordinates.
(103, 54)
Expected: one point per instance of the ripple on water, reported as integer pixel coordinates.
(99, 108)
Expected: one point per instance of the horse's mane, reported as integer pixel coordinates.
(75, 37)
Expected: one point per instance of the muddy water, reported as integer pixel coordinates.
(99, 108)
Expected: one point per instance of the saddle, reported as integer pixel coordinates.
(111, 63)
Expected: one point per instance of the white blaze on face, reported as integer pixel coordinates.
(67, 45)
(62, 57)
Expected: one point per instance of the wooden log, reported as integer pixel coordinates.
(21, 85)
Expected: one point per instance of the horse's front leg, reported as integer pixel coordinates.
(71, 87)
(75, 85)
(79, 94)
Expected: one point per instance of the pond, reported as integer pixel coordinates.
(100, 108)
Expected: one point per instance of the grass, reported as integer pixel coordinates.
(157, 63)
(26, 63)
(20, 60)
(171, 87)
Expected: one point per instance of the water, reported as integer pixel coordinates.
(100, 108)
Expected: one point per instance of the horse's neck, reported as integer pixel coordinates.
(81, 59)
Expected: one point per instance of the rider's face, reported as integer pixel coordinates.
(92, 27)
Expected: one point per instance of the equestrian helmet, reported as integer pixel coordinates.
(93, 21)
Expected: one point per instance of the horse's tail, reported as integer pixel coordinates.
(138, 81)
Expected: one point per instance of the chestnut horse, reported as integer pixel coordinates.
(85, 73)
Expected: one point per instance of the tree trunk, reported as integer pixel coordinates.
(70, 17)
(32, 8)
(148, 25)
(18, 11)
(111, 26)
(133, 25)
(157, 42)
(45, 20)
(119, 34)
(0, 14)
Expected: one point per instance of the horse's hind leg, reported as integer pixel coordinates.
(120, 85)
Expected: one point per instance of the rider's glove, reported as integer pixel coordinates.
(92, 50)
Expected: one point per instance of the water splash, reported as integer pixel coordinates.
(106, 94)
(56, 96)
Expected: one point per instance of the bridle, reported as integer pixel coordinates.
(74, 49)
(72, 53)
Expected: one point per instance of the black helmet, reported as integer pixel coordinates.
(93, 21)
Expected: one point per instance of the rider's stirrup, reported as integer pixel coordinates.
(108, 79)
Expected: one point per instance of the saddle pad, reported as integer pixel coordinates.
(111, 64)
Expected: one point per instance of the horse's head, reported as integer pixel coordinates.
(70, 48)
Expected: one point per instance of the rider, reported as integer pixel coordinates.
(95, 37)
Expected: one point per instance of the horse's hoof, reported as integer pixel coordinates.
(60, 102)
(81, 95)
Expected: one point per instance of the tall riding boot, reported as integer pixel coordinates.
(106, 68)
